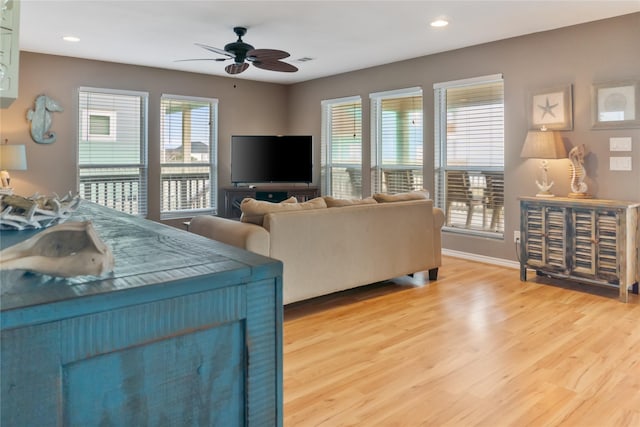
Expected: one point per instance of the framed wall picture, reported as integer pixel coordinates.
(551, 108)
(615, 104)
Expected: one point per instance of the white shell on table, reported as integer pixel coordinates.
(64, 250)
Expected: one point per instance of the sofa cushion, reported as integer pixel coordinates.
(291, 199)
(401, 197)
(253, 211)
(332, 202)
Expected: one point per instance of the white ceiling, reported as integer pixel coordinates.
(340, 36)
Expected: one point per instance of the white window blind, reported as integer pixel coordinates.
(469, 154)
(112, 148)
(342, 148)
(188, 147)
(397, 141)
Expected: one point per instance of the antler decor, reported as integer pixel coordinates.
(19, 213)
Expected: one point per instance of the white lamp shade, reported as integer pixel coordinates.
(543, 145)
(13, 157)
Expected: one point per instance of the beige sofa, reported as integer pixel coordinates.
(329, 249)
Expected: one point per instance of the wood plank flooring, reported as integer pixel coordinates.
(475, 348)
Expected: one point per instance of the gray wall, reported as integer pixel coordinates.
(601, 51)
(244, 107)
(581, 55)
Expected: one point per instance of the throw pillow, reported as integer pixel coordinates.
(332, 202)
(253, 211)
(400, 197)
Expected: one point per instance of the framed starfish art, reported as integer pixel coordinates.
(551, 109)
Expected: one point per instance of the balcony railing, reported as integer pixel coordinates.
(467, 192)
(346, 182)
(185, 192)
(126, 192)
(121, 192)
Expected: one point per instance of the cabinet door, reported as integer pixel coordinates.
(555, 239)
(232, 200)
(9, 51)
(583, 256)
(608, 249)
(7, 12)
(595, 244)
(545, 237)
(532, 234)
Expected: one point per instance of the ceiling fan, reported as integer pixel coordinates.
(243, 53)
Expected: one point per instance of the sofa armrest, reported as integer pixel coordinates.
(242, 235)
(438, 218)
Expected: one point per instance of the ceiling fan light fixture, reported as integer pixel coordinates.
(440, 22)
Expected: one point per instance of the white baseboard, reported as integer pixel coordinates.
(481, 258)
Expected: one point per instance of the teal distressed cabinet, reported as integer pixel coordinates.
(591, 241)
(185, 332)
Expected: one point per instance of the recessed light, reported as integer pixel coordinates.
(71, 39)
(440, 23)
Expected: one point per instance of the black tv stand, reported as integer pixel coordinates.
(234, 195)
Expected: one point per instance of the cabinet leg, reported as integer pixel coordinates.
(624, 292)
(433, 274)
(523, 273)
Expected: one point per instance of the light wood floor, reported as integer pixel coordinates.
(475, 348)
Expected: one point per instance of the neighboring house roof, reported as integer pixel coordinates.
(197, 147)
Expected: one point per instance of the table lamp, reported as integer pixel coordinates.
(543, 144)
(12, 157)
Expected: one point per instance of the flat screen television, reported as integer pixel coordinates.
(271, 159)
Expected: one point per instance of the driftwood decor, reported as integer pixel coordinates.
(64, 250)
(19, 213)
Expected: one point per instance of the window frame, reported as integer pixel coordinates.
(377, 167)
(440, 166)
(142, 206)
(327, 163)
(212, 165)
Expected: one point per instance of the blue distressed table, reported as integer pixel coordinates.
(185, 332)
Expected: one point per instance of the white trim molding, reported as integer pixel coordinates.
(481, 258)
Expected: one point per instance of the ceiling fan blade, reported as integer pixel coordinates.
(216, 50)
(201, 59)
(236, 68)
(275, 66)
(267, 54)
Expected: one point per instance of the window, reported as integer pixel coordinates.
(101, 125)
(342, 147)
(396, 135)
(188, 147)
(469, 154)
(112, 148)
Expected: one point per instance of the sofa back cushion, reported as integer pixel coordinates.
(253, 211)
(401, 197)
(332, 202)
